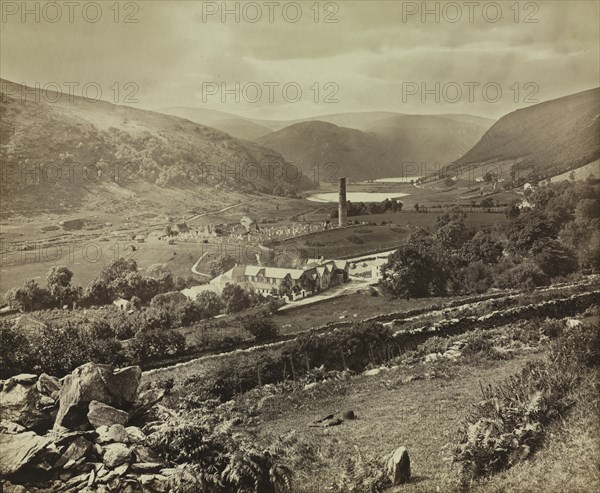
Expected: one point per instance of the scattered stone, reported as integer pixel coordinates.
(349, 415)
(452, 354)
(78, 449)
(372, 372)
(11, 428)
(101, 414)
(60, 438)
(145, 454)
(310, 386)
(125, 384)
(24, 378)
(433, 357)
(398, 466)
(122, 469)
(18, 450)
(116, 454)
(573, 322)
(146, 466)
(115, 433)
(136, 435)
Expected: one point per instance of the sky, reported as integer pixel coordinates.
(285, 60)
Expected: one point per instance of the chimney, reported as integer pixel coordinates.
(342, 204)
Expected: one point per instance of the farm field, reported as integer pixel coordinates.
(87, 258)
(346, 242)
(428, 219)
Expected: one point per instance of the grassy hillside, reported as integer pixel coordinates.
(242, 128)
(545, 139)
(383, 147)
(363, 145)
(337, 151)
(75, 150)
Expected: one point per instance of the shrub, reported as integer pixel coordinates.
(153, 343)
(435, 344)
(218, 460)
(261, 327)
(509, 424)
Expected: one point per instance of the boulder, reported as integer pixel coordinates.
(349, 415)
(125, 383)
(11, 428)
(398, 466)
(136, 435)
(19, 450)
(94, 382)
(112, 434)
(116, 454)
(49, 386)
(78, 449)
(100, 414)
(22, 378)
(452, 354)
(21, 403)
(145, 454)
(145, 401)
(433, 357)
(372, 372)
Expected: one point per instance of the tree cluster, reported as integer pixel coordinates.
(559, 236)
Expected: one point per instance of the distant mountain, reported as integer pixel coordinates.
(366, 120)
(237, 126)
(385, 146)
(325, 151)
(545, 139)
(69, 151)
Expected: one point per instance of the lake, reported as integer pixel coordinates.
(356, 196)
(397, 179)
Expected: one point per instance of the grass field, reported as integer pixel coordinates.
(422, 415)
(339, 243)
(428, 219)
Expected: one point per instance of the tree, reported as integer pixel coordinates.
(29, 297)
(118, 268)
(235, 298)
(452, 232)
(210, 304)
(221, 265)
(553, 258)
(98, 292)
(482, 247)
(527, 229)
(58, 277)
(58, 284)
(261, 327)
(409, 273)
(163, 276)
(153, 343)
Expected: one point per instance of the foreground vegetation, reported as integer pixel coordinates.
(542, 376)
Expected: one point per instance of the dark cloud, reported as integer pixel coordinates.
(369, 53)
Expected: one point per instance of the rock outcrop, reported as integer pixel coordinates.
(87, 447)
(398, 466)
(93, 382)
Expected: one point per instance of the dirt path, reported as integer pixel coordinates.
(221, 210)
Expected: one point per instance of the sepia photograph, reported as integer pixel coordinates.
(308, 246)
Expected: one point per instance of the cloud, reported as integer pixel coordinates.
(368, 53)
